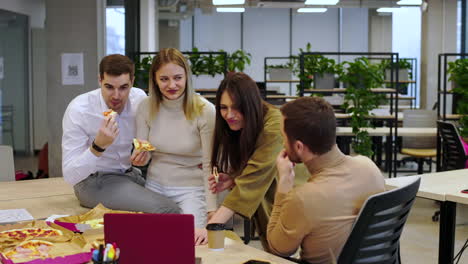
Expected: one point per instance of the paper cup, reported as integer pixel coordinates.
(215, 236)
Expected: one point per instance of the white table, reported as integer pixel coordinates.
(235, 252)
(444, 187)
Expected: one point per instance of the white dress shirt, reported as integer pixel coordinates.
(81, 122)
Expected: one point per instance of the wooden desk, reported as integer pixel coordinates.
(444, 187)
(235, 252)
(41, 198)
(34, 188)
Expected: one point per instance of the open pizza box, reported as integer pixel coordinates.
(91, 220)
(61, 247)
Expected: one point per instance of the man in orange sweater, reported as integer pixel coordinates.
(319, 215)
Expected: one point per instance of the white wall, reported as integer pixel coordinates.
(380, 32)
(266, 34)
(439, 35)
(321, 30)
(407, 37)
(63, 17)
(148, 25)
(35, 9)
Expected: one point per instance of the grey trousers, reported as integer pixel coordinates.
(122, 191)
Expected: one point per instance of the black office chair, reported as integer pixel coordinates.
(453, 153)
(375, 237)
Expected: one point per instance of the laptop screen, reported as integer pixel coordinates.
(151, 238)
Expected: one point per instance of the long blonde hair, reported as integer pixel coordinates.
(193, 104)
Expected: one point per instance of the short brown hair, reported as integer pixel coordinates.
(116, 65)
(312, 121)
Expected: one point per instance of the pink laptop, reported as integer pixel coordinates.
(151, 238)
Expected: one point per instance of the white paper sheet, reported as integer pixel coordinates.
(14, 215)
(72, 69)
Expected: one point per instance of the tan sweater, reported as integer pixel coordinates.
(318, 216)
(181, 145)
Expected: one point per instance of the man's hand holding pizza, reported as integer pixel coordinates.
(106, 135)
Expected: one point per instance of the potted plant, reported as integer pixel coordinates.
(238, 60)
(324, 70)
(458, 71)
(319, 70)
(361, 76)
(142, 68)
(404, 74)
(279, 72)
(206, 64)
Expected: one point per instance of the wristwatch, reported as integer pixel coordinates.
(97, 148)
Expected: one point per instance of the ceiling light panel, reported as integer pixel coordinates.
(228, 2)
(311, 10)
(409, 2)
(321, 2)
(230, 9)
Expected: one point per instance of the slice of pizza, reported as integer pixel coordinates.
(26, 233)
(141, 145)
(94, 223)
(31, 249)
(110, 112)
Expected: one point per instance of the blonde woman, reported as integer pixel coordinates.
(180, 124)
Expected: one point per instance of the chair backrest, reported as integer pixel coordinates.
(419, 118)
(376, 233)
(7, 166)
(453, 152)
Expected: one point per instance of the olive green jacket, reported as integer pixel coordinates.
(254, 192)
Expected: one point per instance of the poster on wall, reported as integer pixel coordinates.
(72, 69)
(1, 68)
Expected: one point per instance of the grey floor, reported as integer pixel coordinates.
(419, 241)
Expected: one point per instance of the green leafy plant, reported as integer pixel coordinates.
(316, 65)
(206, 64)
(361, 76)
(142, 68)
(238, 60)
(458, 71)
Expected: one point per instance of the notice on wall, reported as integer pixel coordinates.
(72, 69)
(1, 68)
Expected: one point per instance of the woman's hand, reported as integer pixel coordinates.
(201, 236)
(224, 182)
(140, 158)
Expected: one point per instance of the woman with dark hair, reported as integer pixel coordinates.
(247, 139)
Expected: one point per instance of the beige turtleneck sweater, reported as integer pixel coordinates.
(181, 145)
(318, 216)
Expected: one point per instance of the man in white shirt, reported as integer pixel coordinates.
(96, 149)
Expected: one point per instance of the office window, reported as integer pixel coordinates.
(115, 27)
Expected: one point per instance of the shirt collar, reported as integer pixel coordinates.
(327, 160)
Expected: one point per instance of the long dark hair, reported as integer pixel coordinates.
(232, 149)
